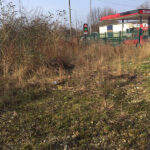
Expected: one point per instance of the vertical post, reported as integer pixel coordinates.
(122, 26)
(149, 26)
(105, 37)
(21, 24)
(140, 30)
(141, 21)
(120, 37)
(85, 39)
(140, 35)
(20, 10)
(90, 17)
(70, 18)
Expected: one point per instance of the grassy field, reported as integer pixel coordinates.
(114, 117)
(58, 92)
(106, 108)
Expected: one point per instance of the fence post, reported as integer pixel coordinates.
(149, 31)
(119, 37)
(105, 38)
(148, 26)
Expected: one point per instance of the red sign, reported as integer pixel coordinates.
(144, 11)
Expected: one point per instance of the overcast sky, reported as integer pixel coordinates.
(80, 8)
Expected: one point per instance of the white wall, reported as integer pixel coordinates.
(116, 28)
(102, 29)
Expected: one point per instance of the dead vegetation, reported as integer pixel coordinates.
(62, 93)
(38, 52)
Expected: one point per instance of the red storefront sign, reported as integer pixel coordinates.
(144, 11)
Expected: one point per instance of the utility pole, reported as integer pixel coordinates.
(70, 18)
(20, 11)
(90, 17)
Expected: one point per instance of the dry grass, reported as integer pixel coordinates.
(58, 92)
(98, 63)
(37, 53)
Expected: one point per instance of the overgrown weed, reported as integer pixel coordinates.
(37, 52)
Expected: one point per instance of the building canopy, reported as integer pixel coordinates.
(129, 15)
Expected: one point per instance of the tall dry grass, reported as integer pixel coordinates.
(97, 64)
(36, 52)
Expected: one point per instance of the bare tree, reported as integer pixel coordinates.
(96, 14)
(145, 5)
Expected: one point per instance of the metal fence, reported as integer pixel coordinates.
(130, 37)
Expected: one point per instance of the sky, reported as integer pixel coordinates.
(80, 8)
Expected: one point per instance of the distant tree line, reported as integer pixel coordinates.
(97, 13)
(145, 5)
